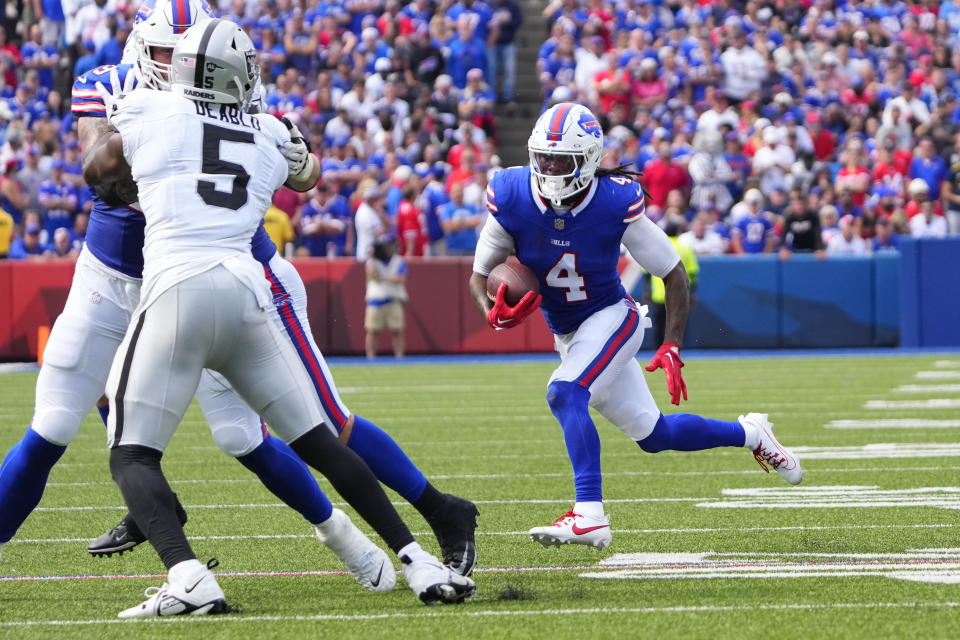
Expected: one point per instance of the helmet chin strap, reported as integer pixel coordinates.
(565, 203)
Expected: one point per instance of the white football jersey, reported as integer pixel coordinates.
(206, 174)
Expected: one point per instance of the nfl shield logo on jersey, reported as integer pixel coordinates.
(558, 224)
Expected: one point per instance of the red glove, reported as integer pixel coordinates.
(668, 358)
(503, 316)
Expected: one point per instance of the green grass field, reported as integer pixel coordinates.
(705, 544)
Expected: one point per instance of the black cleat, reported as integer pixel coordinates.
(125, 536)
(454, 524)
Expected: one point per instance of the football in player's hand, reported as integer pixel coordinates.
(518, 278)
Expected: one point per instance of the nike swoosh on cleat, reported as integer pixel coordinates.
(376, 583)
(194, 586)
(579, 532)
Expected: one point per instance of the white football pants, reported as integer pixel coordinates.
(601, 357)
(210, 320)
(81, 348)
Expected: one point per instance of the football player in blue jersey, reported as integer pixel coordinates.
(87, 334)
(566, 219)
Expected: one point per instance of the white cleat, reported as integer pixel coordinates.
(368, 563)
(433, 582)
(770, 452)
(202, 596)
(573, 528)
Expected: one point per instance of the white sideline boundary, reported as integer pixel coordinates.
(462, 612)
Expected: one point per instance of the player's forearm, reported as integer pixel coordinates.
(90, 131)
(677, 302)
(105, 161)
(478, 293)
(309, 181)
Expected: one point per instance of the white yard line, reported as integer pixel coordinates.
(935, 403)
(836, 497)
(466, 612)
(937, 375)
(880, 450)
(528, 476)
(291, 536)
(947, 364)
(894, 423)
(928, 388)
(565, 501)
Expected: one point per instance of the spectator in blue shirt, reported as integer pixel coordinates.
(460, 222)
(398, 180)
(300, 43)
(28, 247)
(52, 21)
(754, 233)
(273, 55)
(58, 198)
(477, 11)
(72, 164)
(432, 198)
(40, 56)
(467, 51)
(89, 61)
(284, 98)
(112, 50)
(507, 19)
(930, 167)
(326, 224)
(884, 239)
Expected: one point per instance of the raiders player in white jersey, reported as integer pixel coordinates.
(204, 186)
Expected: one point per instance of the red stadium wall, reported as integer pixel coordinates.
(440, 316)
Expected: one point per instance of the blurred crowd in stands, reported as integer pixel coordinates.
(771, 126)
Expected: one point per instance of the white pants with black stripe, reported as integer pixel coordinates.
(81, 349)
(601, 357)
(210, 320)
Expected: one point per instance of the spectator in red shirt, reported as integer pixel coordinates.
(857, 99)
(854, 176)
(10, 60)
(465, 172)
(663, 175)
(288, 200)
(648, 89)
(919, 192)
(410, 231)
(612, 86)
(889, 170)
(823, 141)
(455, 154)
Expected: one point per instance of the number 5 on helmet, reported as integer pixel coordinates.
(503, 316)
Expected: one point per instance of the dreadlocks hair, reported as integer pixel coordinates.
(623, 171)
